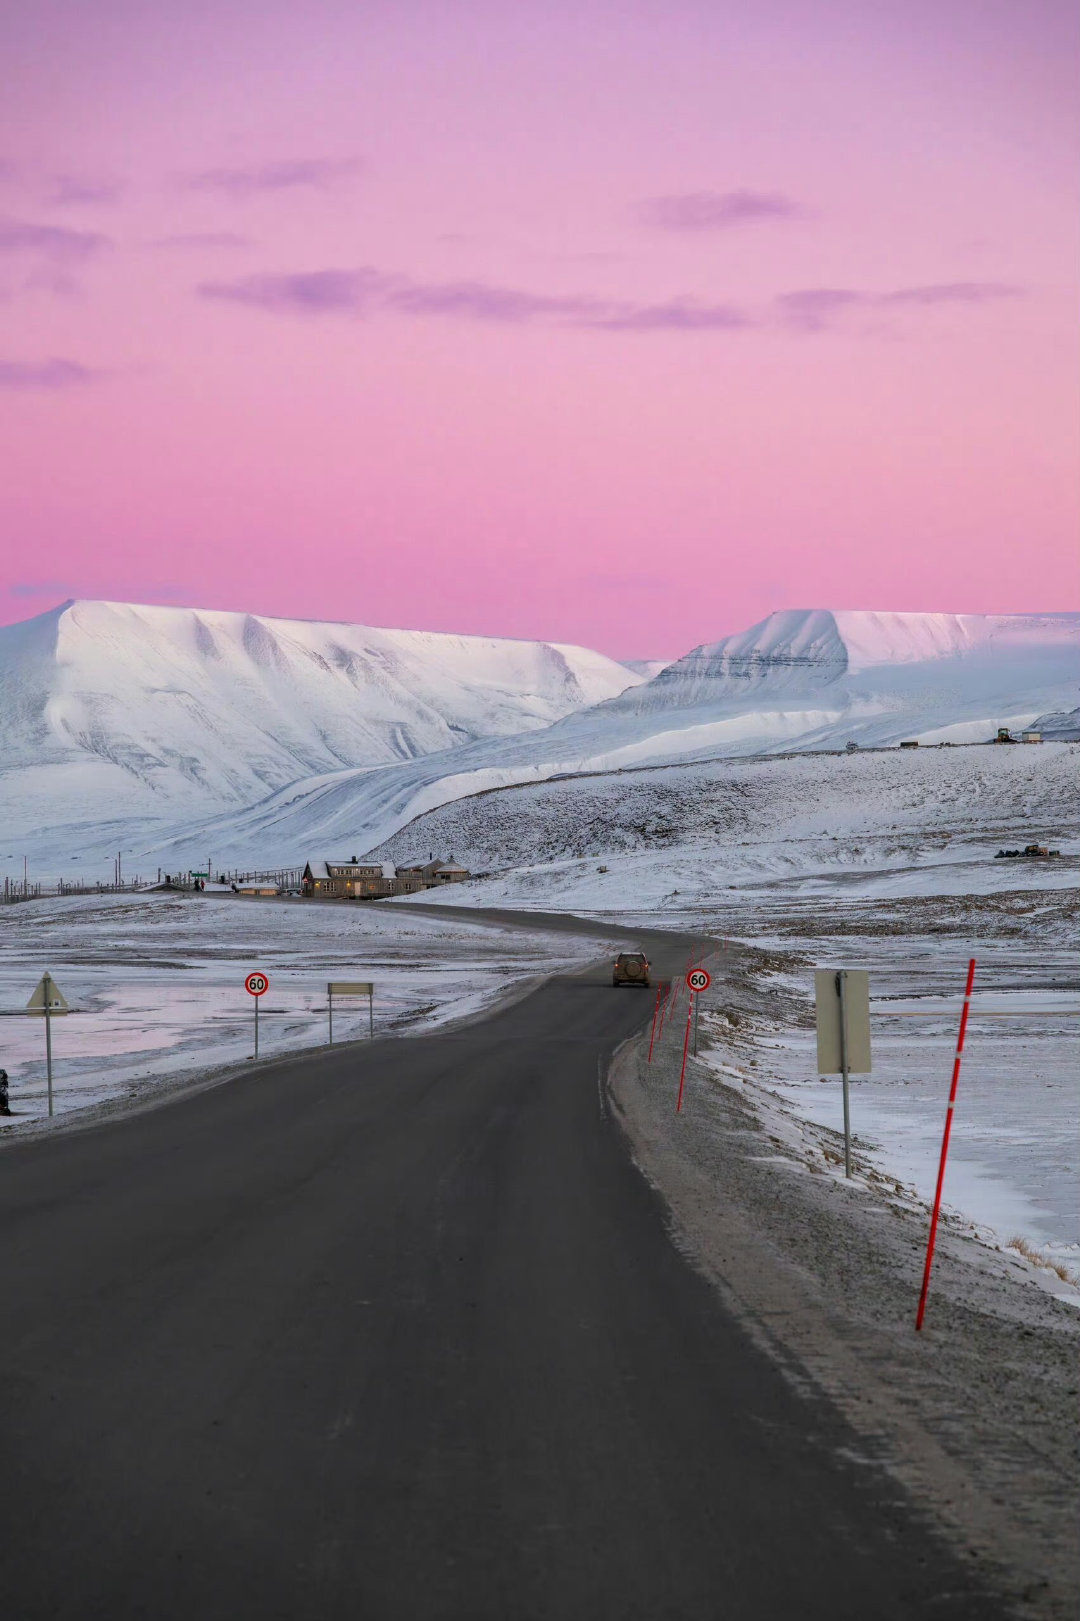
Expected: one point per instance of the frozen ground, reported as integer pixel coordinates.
(157, 983)
(883, 861)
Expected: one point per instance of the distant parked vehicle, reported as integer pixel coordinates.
(631, 968)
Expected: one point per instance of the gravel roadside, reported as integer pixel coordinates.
(977, 1415)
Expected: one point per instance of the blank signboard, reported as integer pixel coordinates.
(857, 1003)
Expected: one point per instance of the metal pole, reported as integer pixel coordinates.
(696, 1000)
(256, 1027)
(48, 1035)
(841, 991)
(330, 1009)
(371, 1015)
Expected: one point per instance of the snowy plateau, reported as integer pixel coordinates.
(118, 720)
(170, 732)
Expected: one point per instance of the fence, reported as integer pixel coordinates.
(23, 889)
(26, 889)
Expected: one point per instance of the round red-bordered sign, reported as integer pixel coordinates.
(256, 984)
(698, 979)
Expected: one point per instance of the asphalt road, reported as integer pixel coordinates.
(400, 1332)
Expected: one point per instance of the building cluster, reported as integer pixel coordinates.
(367, 880)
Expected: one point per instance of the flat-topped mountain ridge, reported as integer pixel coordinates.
(175, 730)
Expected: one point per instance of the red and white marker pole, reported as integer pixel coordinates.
(685, 1050)
(655, 1011)
(945, 1147)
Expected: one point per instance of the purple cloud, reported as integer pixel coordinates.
(813, 309)
(289, 175)
(675, 315)
(52, 373)
(363, 291)
(76, 189)
(717, 210)
(52, 241)
(204, 239)
(953, 292)
(479, 301)
(305, 292)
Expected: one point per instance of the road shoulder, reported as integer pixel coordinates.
(977, 1415)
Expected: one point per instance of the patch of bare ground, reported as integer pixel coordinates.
(976, 1415)
(1011, 915)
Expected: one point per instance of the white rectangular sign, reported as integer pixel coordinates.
(857, 1006)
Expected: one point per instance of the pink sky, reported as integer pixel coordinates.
(614, 323)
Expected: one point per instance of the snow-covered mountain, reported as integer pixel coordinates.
(1061, 727)
(799, 680)
(111, 713)
(262, 739)
(812, 678)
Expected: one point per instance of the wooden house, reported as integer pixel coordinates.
(353, 880)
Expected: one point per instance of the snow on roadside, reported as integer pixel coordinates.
(156, 983)
(1011, 1171)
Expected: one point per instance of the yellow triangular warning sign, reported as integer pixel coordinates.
(47, 987)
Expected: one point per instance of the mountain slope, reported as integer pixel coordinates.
(171, 732)
(799, 680)
(111, 712)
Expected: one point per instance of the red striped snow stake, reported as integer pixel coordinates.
(655, 1011)
(665, 1008)
(685, 1050)
(945, 1147)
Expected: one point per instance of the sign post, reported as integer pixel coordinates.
(843, 1032)
(698, 980)
(48, 999)
(351, 987)
(256, 985)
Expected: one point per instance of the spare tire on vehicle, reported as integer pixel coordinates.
(631, 968)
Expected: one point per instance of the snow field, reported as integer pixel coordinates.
(674, 836)
(1012, 1168)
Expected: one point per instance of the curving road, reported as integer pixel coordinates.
(399, 1332)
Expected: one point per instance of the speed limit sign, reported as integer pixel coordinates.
(256, 984)
(698, 979)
